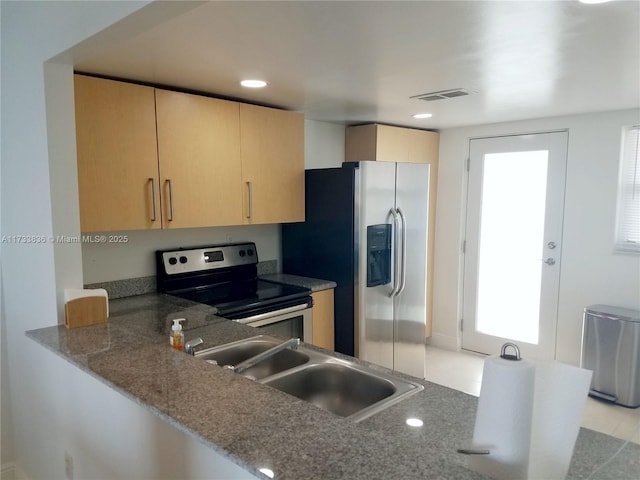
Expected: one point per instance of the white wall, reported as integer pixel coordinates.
(590, 271)
(103, 262)
(53, 405)
(323, 144)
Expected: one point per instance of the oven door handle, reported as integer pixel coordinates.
(275, 313)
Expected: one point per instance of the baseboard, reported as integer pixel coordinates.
(446, 342)
(11, 471)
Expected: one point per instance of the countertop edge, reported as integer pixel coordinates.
(314, 284)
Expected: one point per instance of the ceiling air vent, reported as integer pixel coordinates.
(442, 94)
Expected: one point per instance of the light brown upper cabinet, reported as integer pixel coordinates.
(391, 144)
(153, 158)
(117, 156)
(199, 154)
(272, 151)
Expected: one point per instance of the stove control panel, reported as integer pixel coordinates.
(208, 258)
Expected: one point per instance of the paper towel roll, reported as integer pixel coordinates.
(74, 293)
(504, 418)
(528, 418)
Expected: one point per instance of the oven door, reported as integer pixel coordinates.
(293, 322)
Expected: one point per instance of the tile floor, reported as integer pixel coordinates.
(463, 371)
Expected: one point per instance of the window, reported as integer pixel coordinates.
(628, 219)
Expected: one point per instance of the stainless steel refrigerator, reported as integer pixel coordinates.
(366, 229)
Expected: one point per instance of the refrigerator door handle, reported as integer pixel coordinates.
(396, 264)
(403, 262)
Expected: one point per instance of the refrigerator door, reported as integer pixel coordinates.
(410, 315)
(374, 306)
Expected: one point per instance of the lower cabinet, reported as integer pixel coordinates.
(323, 332)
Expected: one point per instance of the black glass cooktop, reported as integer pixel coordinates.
(232, 298)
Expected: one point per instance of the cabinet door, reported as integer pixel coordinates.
(199, 153)
(422, 146)
(392, 144)
(272, 144)
(117, 156)
(323, 313)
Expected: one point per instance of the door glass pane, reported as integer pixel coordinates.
(514, 189)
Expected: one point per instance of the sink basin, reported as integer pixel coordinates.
(236, 352)
(342, 387)
(336, 388)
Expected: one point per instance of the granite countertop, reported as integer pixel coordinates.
(233, 415)
(314, 284)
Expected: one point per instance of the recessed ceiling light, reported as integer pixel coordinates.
(423, 115)
(253, 83)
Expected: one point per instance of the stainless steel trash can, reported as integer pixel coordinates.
(611, 349)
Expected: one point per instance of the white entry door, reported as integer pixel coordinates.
(513, 243)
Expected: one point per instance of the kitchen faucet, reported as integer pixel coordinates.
(250, 362)
(190, 346)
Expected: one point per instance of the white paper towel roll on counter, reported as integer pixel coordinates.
(74, 293)
(504, 418)
(528, 418)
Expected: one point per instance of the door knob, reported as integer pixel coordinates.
(550, 261)
(551, 245)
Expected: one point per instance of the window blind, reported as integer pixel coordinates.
(628, 218)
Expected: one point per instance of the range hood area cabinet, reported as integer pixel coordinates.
(391, 144)
(386, 143)
(209, 162)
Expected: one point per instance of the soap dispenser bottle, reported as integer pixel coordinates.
(176, 339)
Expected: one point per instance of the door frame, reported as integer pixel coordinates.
(464, 226)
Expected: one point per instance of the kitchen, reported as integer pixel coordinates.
(44, 267)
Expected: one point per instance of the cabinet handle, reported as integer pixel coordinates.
(153, 198)
(168, 181)
(250, 189)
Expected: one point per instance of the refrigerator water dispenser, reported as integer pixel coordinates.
(378, 255)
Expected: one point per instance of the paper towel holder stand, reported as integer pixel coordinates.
(508, 356)
(472, 451)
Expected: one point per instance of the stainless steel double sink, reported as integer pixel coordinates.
(339, 386)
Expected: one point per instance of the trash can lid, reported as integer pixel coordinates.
(619, 313)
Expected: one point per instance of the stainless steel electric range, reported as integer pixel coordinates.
(226, 277)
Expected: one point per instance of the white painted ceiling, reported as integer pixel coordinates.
(357, 62)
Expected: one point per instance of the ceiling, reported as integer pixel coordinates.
(357, 62)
